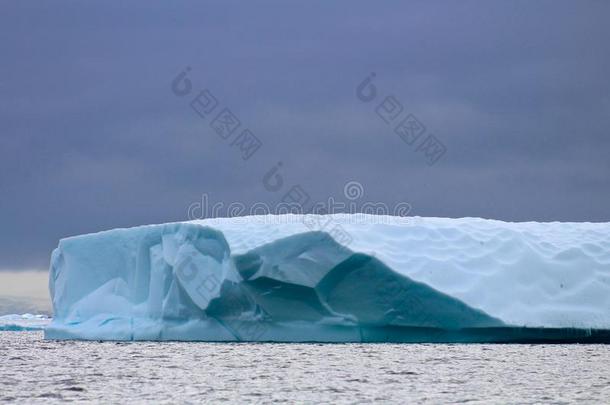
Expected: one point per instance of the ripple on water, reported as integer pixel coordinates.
(338, 373)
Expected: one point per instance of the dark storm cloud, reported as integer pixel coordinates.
(91, 136)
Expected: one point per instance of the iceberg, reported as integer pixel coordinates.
(335, 278)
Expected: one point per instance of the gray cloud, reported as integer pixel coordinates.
(91, 136)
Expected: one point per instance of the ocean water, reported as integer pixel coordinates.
(35, 370)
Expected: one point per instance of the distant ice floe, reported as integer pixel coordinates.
(335, 278)
(24, 322)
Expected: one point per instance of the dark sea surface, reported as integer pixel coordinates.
(35, 370)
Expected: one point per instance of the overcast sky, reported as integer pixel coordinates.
(92, 136)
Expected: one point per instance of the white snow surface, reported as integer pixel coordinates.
(533, 274)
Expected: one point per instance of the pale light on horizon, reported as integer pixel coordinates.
(24, 291)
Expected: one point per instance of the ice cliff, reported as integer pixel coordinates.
(339, 278)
